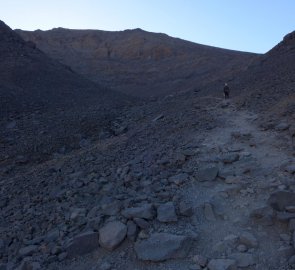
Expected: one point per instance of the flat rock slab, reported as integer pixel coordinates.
(163, 246)
(222, 264)
(207, 173)
(146, 211)
(281, 199)
(112, 234)
(82, 244)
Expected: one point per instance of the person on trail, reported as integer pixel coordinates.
(292, 134)
(226, 91)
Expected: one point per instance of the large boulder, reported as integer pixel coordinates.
(82, 244)
(163, 246)
(112, 234)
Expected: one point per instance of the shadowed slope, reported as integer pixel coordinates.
(139, 62)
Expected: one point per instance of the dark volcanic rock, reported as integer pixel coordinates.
(162, 246)
(82, 244)
(281, 199)
(112, 234)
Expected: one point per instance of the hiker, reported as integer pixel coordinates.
(226, 91)
(292, 134)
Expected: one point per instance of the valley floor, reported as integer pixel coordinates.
(217, 183)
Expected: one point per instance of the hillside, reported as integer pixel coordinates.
(188, 181)
(268, 85)
(138, 62)
(44, 102)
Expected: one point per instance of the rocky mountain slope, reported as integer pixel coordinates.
(188, 181)
(44, 102)
(269, 84)
(139, 62)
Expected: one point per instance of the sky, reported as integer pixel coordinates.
(244, 25)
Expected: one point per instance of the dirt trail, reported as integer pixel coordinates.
(244, 186)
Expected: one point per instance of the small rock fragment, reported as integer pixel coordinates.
(166, 212)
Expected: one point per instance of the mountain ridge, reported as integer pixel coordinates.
(138, 62)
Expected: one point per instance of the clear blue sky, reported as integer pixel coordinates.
(246, 25)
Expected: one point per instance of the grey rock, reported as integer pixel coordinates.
(264, 215)
(28, 251)
(26, 264)
(248, 239)
(82, 244)
(290, 169)
(243, 259)
(209, 212)
(105, 266)
(52, 235)
(285, 251)
(62, 256)
(292, 261)
(291, 225)
(185, 209)
(281, 199)
(158, 117)
(146, 211)
(142, 223)
(282, 126)
(2, 245)
(290, 209)
(111, 209)
(229, 158)
(94, 223)
(163, 246)
(242, 248)
(222, 264)
(179, 178)
(166, 212)
(207, 173)
(200, 260)
(285, 216)
(132, 230)
(112, 234)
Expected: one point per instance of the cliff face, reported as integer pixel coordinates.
(138, 62)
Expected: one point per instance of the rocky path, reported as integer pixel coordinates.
(221, 197)
(238, 167)
(250, 164)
